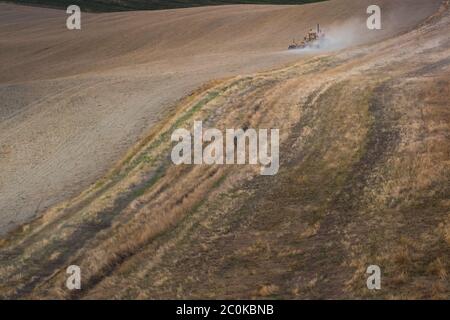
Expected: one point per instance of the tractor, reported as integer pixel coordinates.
(313, 39)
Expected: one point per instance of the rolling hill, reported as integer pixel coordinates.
(364, 176)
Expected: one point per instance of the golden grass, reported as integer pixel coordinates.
(364, 180)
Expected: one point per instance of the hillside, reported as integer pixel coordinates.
(364, 179)
(74, 102)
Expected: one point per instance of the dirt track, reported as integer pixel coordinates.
(72, 102)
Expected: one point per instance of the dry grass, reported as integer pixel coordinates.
(363, 180)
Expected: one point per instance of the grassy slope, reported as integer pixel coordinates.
(114, 5)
